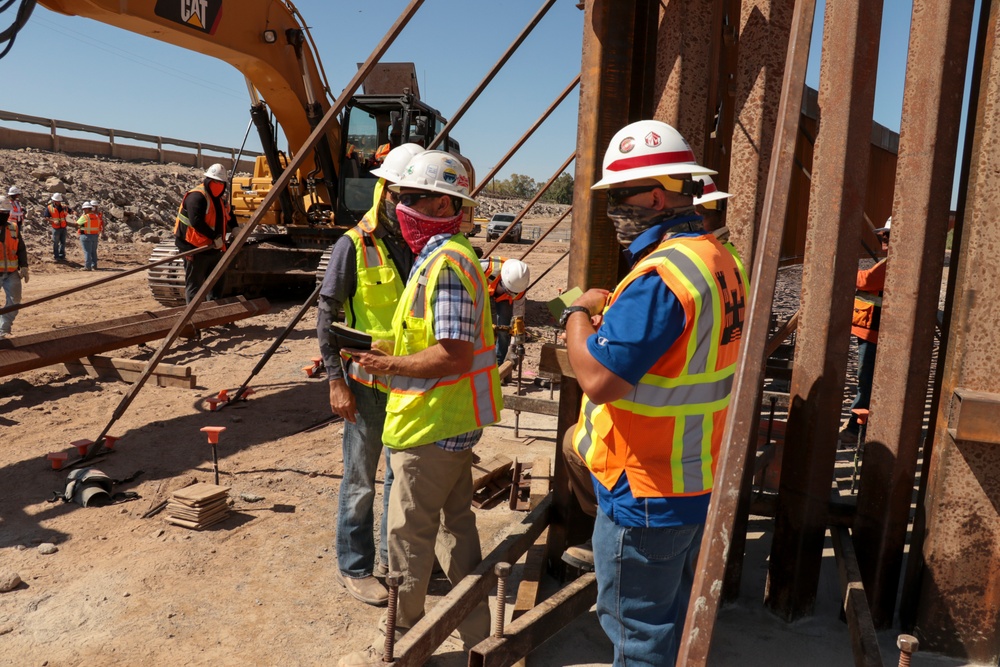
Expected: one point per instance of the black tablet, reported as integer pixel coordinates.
(346, 337)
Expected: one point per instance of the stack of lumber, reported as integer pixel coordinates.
(198, 506)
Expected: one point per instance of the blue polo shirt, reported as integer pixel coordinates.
(643, 323)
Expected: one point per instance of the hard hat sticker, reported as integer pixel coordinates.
(626, 146)
(432, 170)
(449, 176)
(653, 140)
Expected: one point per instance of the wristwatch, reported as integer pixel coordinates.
(569, 311)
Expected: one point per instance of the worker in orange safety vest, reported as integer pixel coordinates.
(203, 219)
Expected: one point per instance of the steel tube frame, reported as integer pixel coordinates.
(246, 230)
(836, 213)
(457, 116)
(932, 112)
(546, 232)
(743, 415)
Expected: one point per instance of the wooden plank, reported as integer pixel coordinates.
(485, 472)
(110, 372)
(864, 641)
(554, 360)
(531, 576)
(535, 405)
(541, 481)
(173, 370)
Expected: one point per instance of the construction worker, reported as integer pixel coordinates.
(365, 276)
(508, 280)
(865, 326)
(203, 219)
(13, 264)
(58, 215)
(711, 205)
(656, 373)
(89, 227)
(444, 388)
(16, 207)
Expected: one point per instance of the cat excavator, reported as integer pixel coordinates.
(268, 41)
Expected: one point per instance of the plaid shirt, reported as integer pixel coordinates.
(454, 319)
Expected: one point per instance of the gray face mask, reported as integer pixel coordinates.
(631, 221)
(387, 218)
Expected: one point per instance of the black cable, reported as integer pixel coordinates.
(23, 13)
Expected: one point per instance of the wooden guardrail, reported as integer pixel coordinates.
(163, 152)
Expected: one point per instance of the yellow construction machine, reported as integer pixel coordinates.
(268, 41)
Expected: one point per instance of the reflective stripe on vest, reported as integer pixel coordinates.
(373, 304)
(89, 223)
(57, 216)
(420, 411)
(8, 252)
(16, 212)
(493, 267)
(191, 235)
(666, 433)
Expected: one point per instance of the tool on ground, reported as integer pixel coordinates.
(213, 439)
(99, 281)
(502, 570)
(392, 580)
(518, 334)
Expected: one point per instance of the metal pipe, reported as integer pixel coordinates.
(534, 200)
(743, 417)
(524, 137)
(457, 116)
(319, 132)
(100, 281)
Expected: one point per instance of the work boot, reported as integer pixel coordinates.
(580, 556)
(367, 589)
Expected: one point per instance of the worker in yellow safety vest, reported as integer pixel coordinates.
(89, 227)
(13, 265)
(57, 214)
(444, 388)
(365, 276)
(203, 220)
(655, 359)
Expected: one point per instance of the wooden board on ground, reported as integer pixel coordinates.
(200, 493)
(128, 370)
(486, 471)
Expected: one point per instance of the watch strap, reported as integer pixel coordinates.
(564, 318)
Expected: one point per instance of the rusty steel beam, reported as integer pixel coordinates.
(744, 415)
(524, 137)
(836, 211)
(419, 643)
(529, 631)
(864, 641)
(763, 41)
(538, 195)
(546, 232)
(932, 111)
(278, 187)
(457, 116)
(961, 583)
(18, 355)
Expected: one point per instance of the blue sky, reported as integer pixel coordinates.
(81, 70)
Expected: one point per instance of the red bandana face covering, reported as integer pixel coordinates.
(216, 188)
(418, 228)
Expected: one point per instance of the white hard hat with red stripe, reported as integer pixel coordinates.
(712, 197)
(647, 149)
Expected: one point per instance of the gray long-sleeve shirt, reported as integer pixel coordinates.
(340, 282)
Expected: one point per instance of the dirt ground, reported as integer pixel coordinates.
(257, 589)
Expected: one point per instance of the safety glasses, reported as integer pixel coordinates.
(411, 198)
(617, 196)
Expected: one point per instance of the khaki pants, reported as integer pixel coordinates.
(581, 482)
(430, 514)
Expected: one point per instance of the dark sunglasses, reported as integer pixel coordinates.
(617, 196)
(411, 198)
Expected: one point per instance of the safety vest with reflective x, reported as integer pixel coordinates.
(666, 433)
(420, 411)
(374, 301)
(8, 249)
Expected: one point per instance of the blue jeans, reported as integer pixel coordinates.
(10, 282)
(89, 244)
(355, 515)
(503, 313)
(644, 578)
(866, 373)
(59, 243)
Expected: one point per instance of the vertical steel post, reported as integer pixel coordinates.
(836, 211)
(961, 583)
(932, 109)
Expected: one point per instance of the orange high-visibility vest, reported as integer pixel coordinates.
(8, 252)
(666, 433)
(191, 235)
(492, 271)
(90, 223)
(57, 216)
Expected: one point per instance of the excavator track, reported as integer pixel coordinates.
(166, 281)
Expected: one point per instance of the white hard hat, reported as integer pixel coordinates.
(515, 276)
(14, 190)
(57, 196)
(888, 224)
(87, 204)
(647, 149)
(93, 203)
(437, 171)
(395, 162)
(217, 173)
(4, 204)
(711, 197)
